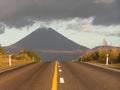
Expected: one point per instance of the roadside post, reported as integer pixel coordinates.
(10, 61)
(33, 59)
(81, 59)
(107, 59)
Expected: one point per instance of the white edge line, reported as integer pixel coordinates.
(103, 67)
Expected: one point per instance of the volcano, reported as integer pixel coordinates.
(49, 45)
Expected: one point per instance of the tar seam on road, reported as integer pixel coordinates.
(54, 83)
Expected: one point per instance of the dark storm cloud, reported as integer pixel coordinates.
(19, 13)
(111, 16)
(2, 28)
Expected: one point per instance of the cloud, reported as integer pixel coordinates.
(79, 24)
(20, 13)
(111, 16)
(104, 31)
(114, 33)
(2, 28)
(84, 25)
(104, 1)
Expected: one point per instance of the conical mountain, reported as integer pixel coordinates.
(49, 44)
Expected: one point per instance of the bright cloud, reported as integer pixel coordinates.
(104, 1)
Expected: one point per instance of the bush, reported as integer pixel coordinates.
(22, 55)
(26, 55)
(100, 55)
(30, 54)
(1, 50)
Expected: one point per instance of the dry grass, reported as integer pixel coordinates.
(4, 63)
(117, 66)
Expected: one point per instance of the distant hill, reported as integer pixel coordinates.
(49, 44)
(105, 47)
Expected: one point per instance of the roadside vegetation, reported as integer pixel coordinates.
(26, 55)
(22, 57)
(100, 55)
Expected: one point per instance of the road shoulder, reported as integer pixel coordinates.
(102, 66)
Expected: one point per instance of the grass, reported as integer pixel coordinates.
(4, 63)
(117, 65)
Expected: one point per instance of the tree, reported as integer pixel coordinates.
(118, 58)
(99, 55)
(95, 55)
(23, 54)
(1, 50)
(32, 55)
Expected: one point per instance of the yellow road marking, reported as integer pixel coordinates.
(54, 83)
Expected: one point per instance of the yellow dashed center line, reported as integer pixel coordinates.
(54, 83)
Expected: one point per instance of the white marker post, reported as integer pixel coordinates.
(81, 59)
(33, 59)
(107, 60)
(10, 63)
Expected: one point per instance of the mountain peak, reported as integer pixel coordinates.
(49, 44)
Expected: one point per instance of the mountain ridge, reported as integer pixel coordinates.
(49, 44)
(105, 47)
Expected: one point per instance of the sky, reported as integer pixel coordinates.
(86, 22)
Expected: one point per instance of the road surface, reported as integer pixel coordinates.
(70, 76)
(80, 76)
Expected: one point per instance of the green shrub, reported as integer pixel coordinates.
(100, 55)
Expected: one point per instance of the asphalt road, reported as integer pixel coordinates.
(36, 76)
(81, 76)
(70, 76)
